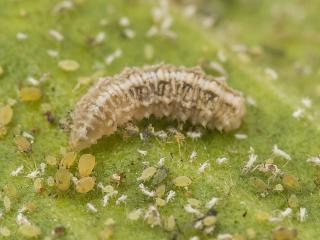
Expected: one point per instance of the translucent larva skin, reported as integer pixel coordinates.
(177, 92)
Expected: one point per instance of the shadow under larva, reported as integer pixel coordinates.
(163, 90)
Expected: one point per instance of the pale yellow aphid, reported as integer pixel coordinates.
(68, 159)
(7, 203)
(85, 184)
(182, 181)
(209, 221)
(63, 179)
(51, 160)
(69, 65)
(86, 164)
(160, 202)
(5, 232)
(22, 143)
(160, 190)
(30, 94)
(147, 173)
(6, 114)
(38, 185)
(29, 230)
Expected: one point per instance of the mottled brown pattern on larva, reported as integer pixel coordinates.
(162, 90)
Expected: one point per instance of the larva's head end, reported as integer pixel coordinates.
(78, 144)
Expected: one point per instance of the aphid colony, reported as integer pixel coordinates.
(162, 90)
(63, 176)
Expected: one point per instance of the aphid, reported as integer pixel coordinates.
(68, 160)
(170, 223)
(290, 182)
(85, 184)
(68, 65)
(30, 94)
(293, 201)
(22, 143)
(147, 173)
(51, 160)
(30, 231)
(135, 214)
(5, 232)
(162, 90)
(182, 181)
(63, 178)
(86, 164)
(281, 233)
(6, 114)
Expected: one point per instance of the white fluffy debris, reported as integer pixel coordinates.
(129, 33)
(190, 10)
(124, 22)
(21, 36)
(314, 160)
(194, 238)
(161, 161)
(121, 199)
(162, 21)
(241, 136)
(278, 152)
(307, 102)
(142, 152)
(161, 134)
(252, 159)
(33, 174)
(212, 202)
(298, 113)
(99, 38)
(62, 6)
(56, 35)
(193, 155)
(280, 215)
(194, 135)
(221, 160)
(146, 191)
(225, 236)
(21, 219)
(189, 209)
(251, 101)
(113, 56)
(170, 195)
(107, 197)
(91, 207)
(53, 53)
(302, 214)
(271, 73)
(17, 171)
(33, 81)
(203, 166)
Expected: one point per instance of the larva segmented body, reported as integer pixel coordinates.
(163, 90)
